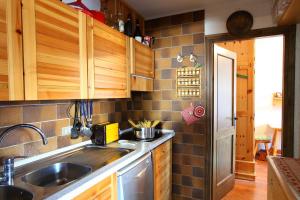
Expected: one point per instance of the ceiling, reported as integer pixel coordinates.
(151, 9)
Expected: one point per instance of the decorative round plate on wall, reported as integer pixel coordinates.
(239, 23)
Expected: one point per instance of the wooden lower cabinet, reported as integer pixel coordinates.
(275, 190)
(162, 171)
(104, 190)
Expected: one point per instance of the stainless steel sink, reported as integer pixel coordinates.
(49, 175)
(56, 174)
(14, 193)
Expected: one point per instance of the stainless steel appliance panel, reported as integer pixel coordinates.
(135, 181)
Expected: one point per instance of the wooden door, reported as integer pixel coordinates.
(104, 190)
(245, 164)
(162, 170)
(142, 59)
(224, 121)
(108, 64)
(11, 60)
(55, 62)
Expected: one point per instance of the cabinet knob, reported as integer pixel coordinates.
(19, 31)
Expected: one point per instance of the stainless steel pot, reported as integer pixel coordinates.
(145, 133)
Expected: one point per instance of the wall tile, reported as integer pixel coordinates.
(185, 191)
(166, 125)
(167, 95)
(98, 119)
(154, 33)
(171, 31)
(165, 84)
(166, 116)
(197, 182)
(96, 107)
(62, 110)
(165, 105)
(198, 150)
(162, 43)
(154, 115)
(175, 63)
(63, 141)
(162, 63)
(183, 40)
(16, 150)
(176, 178)
(39, 113)
(176, 116)
(11, 115)
(168, 74)
(187, 181)
(34, 148)
(194, 27)
(168, 52)
(182, 18)
(54, 128)
(158, 23)
(199, 49)
(198, 38)
(198, 15)
(147, 105)
(197, 193)
(156, 95)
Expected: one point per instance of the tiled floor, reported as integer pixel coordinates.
(251, 190)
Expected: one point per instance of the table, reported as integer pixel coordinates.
(277, 129)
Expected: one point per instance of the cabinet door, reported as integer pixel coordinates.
(142, 59)
(11, 61)
(143, 84)
(162, 168)
(108, 73)
(54, 39)
(104, 190)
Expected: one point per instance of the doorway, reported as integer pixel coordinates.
(288, 33)
(258, 111)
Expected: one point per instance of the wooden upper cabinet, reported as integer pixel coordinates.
(108, 52)
(142, 59)
(54, 41)
(11, 63)
(286, 12)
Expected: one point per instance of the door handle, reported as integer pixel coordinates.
(234, 121)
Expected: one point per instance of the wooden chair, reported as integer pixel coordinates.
(262, 140)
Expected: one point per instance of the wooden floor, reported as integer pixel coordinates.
(251, 190)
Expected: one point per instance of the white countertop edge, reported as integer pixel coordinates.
(92, 179)
(50, 153)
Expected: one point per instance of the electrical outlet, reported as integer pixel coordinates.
(66, 130)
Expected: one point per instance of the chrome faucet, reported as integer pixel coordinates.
(8, 163)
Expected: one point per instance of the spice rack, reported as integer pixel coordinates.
(188, 82)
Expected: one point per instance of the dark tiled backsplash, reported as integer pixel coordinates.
(178, 34)
(51, 117)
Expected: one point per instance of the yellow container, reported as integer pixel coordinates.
(112, 132)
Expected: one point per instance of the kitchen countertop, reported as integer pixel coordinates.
(140, 148)
(287, 171)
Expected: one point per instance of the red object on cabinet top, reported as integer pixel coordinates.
(93, 13)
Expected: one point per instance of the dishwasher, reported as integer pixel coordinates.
(135, 181)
